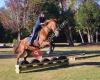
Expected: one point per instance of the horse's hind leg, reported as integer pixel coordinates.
(18, 57)
(20, 53)
(17, 67)
(26, 55)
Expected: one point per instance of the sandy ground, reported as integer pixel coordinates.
(64, 47)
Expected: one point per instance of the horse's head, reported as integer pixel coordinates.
(52, 25)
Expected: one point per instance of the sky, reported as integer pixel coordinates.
(2, 3)
(99, 2)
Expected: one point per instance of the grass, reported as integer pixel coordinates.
(70, 73)
(83, 69)
(77, 71)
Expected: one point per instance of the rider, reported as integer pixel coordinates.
(37, 27)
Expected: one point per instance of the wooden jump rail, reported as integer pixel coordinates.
(44, 63)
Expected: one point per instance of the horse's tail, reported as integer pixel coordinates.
(15, 48)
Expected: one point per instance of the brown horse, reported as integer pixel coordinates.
(42, 41)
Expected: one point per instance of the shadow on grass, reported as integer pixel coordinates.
(7, 55)
(73, 53)
(46, 69)
(97, 64)
(87, 57)
(78, 52)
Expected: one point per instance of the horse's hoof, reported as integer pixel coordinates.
(23, 62)
(48, 52)
(17, 69)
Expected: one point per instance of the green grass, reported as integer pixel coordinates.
(77, 72)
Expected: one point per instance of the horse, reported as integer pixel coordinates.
(42, 41)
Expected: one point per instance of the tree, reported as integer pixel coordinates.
(51, 9)
(88, 18)
(20, 14)
(6, 35)
(1, 32)
(67, 13)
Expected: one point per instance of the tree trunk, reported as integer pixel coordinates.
(18, 37)
(68, 35)
(81, 36)
(88, 36)
(96, 36)
(91, 36)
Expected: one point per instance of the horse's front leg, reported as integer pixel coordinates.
(45, 44)
(52, 46)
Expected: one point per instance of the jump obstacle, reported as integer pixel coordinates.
(51, 60)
